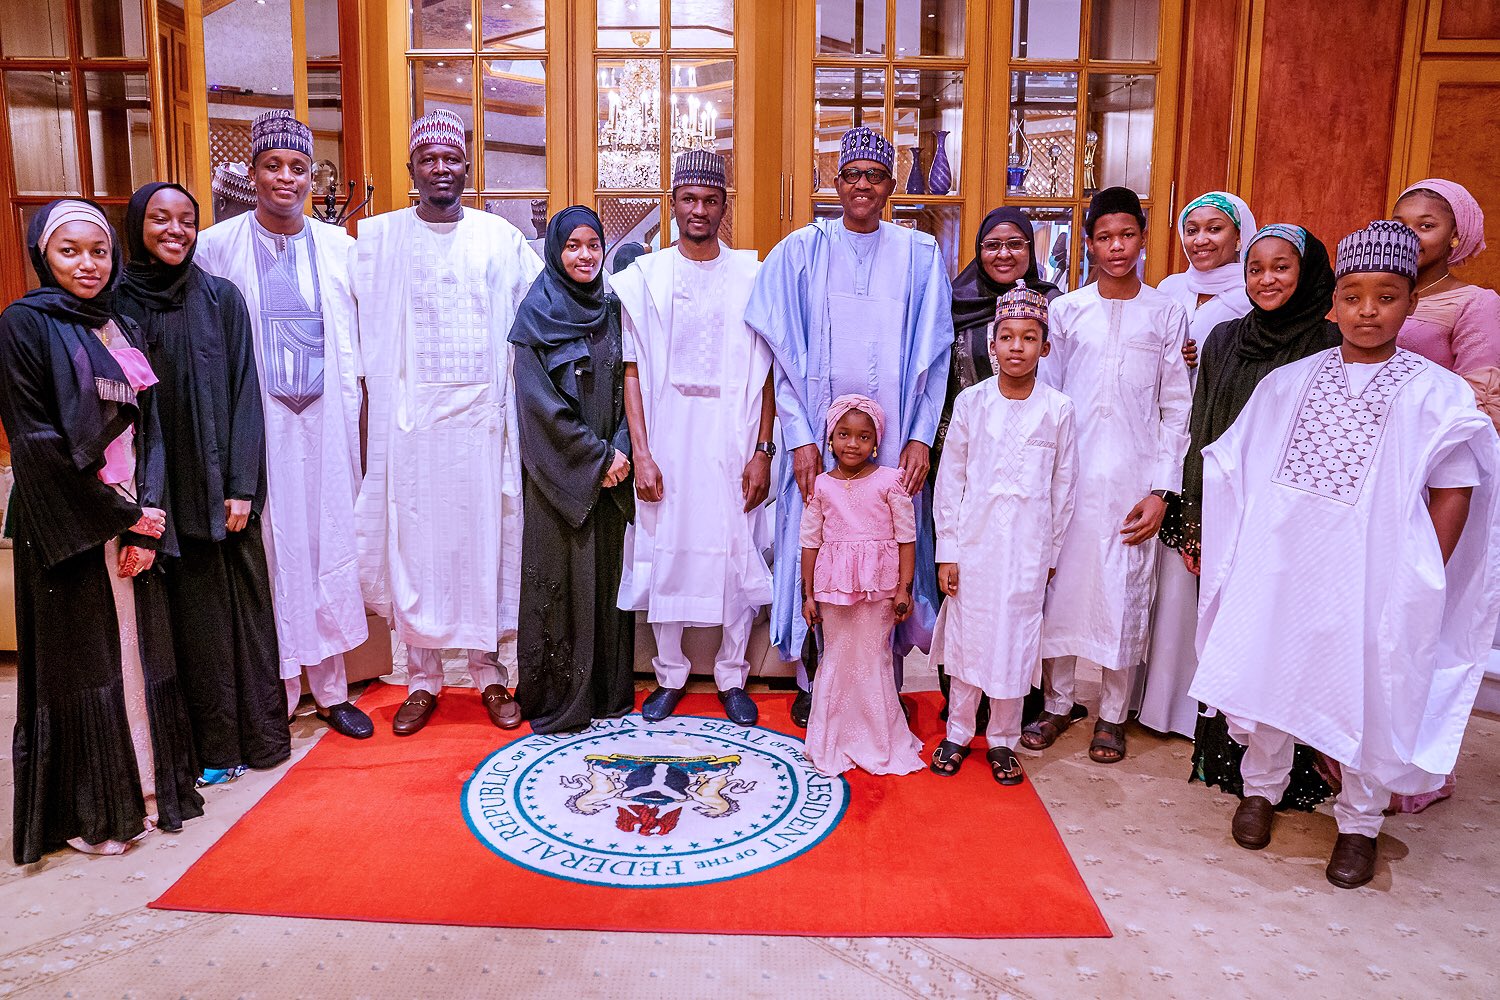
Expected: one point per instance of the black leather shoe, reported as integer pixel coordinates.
(738, 706)
(802, 708)
(1353, 861)
(345, 718)
(1251, 825)
(661, 703)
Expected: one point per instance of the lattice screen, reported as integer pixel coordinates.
(228, 141)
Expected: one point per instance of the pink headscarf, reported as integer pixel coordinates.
(1467, 215)
(865, 405)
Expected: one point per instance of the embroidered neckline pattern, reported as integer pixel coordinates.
(1335, 435)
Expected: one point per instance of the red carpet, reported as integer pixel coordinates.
(376, 830)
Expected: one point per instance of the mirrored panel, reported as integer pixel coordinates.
(112, 28)
(629, 220)
(513, 94)
(1123, 30)
(322, 17)
(245, 81)
(34, 30)
(441, 24)
(118, 106)
(43, 142)
(513, 24)
(325, 113)
(529, 215)
(629, 126)
(1052, 229)
(929, 28)
(1122, 118)
(851, 27)
(1046, 29)
(702, 24)
(929, 131)
(445, 83)
(843, 97)
(1043, 134)
(942, 222)
(629, 24)
(701, 108)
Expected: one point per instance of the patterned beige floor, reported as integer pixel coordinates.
(1194, 916)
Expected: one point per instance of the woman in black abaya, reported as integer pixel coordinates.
(102, 750)
(197, 334)
(575, 648)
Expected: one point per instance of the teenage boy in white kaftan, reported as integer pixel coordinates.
(1003, 501)
(1117, 353)
(854, 306)
(699, 405)
(440, 508)
(1349, 586)
(294, 274)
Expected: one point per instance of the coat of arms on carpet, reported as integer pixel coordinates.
(685, 801)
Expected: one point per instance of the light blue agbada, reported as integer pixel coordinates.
(789, 310)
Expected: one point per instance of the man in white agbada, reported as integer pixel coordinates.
(700, 408)
(440, 509)
(1003, 501)
(1117, 353)
(294, 274)
(1350, 591)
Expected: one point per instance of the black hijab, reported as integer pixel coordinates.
(557, 310)
(975, 292)
(51, 299)
(157, 285)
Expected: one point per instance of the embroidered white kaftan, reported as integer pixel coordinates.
(1326, 610)
(1004, 499)
(695, 556)
(440, 508)
(1120, 361)
(297, 291)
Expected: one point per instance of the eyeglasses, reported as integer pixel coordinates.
(992, 247)
(875, 175)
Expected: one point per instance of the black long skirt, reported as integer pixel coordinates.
(227, 656)
(575, 649)
(76, 771)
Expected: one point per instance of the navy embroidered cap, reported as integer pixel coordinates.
(1383, 245)
(864, 143)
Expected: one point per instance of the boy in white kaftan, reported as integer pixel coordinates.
(1120, 360)
(1327, 613)
(440, 507)
(296, 288)
(1003, 501)
(693, 557)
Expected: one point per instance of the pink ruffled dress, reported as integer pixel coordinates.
(857, 527)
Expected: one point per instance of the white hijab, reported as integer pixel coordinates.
(1229, 277)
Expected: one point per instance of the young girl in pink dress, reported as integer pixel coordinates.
(858, 554)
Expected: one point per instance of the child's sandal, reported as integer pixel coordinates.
(1004, 766)
(947, 758)
(1108, 746)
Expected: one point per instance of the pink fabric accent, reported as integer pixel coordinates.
(856, 718)
(864, 404)
(119, 454)
(1459, 330)
(1466, 213)
(858, 531)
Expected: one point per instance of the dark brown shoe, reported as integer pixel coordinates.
(504, 712)
(414, 713)
(1252, 822)
(1353, 861)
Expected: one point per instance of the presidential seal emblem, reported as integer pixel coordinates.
(630, 803)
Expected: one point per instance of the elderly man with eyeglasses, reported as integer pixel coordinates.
(853, 305)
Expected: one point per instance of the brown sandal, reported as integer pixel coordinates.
(1109, 738)
(1044, 732)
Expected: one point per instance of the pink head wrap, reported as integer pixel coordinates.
(865, 405)
(1467, 215)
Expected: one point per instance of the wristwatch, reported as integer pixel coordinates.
(769, 447)
(1164, 494)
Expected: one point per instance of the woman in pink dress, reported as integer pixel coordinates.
(1456, 324)
(858, 555)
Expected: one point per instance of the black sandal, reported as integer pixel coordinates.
(947, 758)
(1109, 738)
(1044, 732)
(1004, 766)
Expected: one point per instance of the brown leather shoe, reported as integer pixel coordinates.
(414, 713)
(1353, 861)
(1252, 822)
(504, 712)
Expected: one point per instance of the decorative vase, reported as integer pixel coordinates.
(940, 180)
(915, 184)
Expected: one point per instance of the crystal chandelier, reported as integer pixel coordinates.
(630, 135)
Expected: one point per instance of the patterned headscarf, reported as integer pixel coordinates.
(1295, 235)
(865, 405)
(1468, 217)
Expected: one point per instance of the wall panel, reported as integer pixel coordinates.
(1463, 150)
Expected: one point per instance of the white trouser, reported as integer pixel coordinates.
(1004, 729)
(1267, 771)
(327, 682)
(1115, 686)
(731, 669)
(424, 669)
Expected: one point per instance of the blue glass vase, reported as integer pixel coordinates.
(940, 180)
(916, 182)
